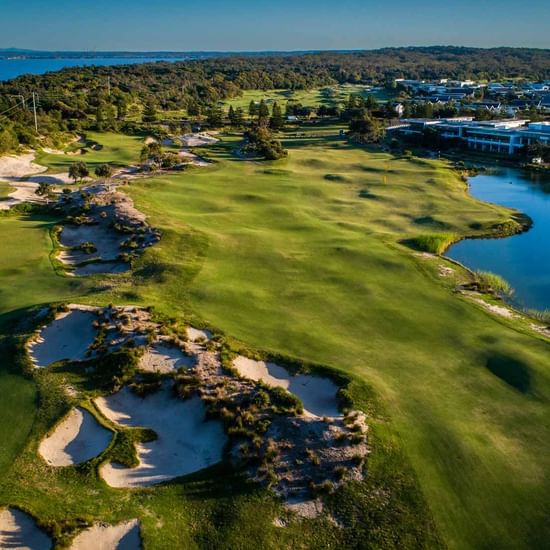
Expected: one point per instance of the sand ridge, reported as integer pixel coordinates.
(68, 336)
(165, 358)
(317, 394)
(122, 536)
(76, 439)
(18, 530)
(186, 442)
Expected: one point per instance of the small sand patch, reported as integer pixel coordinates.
(497, 310)
(317, 394)
(19, 531)
(186, 442)
(75, 439)
(196, 335)
(67, 337)
(163, 358)
(122, 536)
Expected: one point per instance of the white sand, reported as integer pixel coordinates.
(19, 531)
(163, 358)
(19, 166)
(122, 536)
(77, 438)
(195, 334)
(67, 337)
(197, 140)
(185, 444)
(317, 394)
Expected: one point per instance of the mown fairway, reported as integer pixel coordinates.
(302, 256)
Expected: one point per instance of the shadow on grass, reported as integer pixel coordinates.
(510, 370)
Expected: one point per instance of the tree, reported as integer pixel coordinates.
(103, 171)
(231, 115)
(150, 111)
(44, 190)
(366, 129)
(78, 171)
(277, 120)
(215, 117)
(239, 117)
(253, 108)
(263, 111)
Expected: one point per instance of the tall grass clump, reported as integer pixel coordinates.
(435, 243)
(491, 282)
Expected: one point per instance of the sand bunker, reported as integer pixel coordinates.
(67, 337)
(185, 444)
(122, 536)
(106, 241)
(197, 140)
(163, 358)
(317, 394)
(77, 438)
(19, 530)
(19, 166)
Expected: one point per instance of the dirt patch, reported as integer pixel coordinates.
(186, 442)
(19, 530)
(77, 438)
(317, 394)
(67, 337)
(502, 311)
(163, 358)
(101, 536)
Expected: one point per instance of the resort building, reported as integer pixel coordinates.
(495, 136)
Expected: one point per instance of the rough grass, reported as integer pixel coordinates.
(434, 243)
(495, 283)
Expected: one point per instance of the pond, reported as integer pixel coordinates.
(523, 260)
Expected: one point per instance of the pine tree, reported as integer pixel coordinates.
(277, 120)
(231, 115)
(150, 111)
(238, 117)
(252, 108)
(263, 111)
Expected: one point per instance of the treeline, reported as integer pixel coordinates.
(106, 98)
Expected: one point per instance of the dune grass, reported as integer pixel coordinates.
(290, 261)
(435, 243)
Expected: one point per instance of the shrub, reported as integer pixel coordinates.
(435, 243)
(493, 283)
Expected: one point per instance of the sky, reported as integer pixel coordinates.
(254, 25)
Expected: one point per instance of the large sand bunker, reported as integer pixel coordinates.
(164, 358)
(122, 536)
(67, 337)
(186, 442)
(317, 394)
(77, 438)
(197, 140)
(19, 531)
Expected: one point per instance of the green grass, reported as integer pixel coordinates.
(435, 243)
(117, 149)
(291, 261)
(284, 259)
(328, 95)
(5, 190)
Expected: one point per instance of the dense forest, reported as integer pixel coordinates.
(75, 99)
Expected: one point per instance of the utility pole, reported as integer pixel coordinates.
(34, 109)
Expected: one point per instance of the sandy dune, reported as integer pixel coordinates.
(163, 358)
(318, 394)
(122, 536)
(67, 337)
(185, 444)
(76, 439)
(19, 531)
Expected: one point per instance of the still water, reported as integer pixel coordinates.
(11, 68)
(523, 260)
